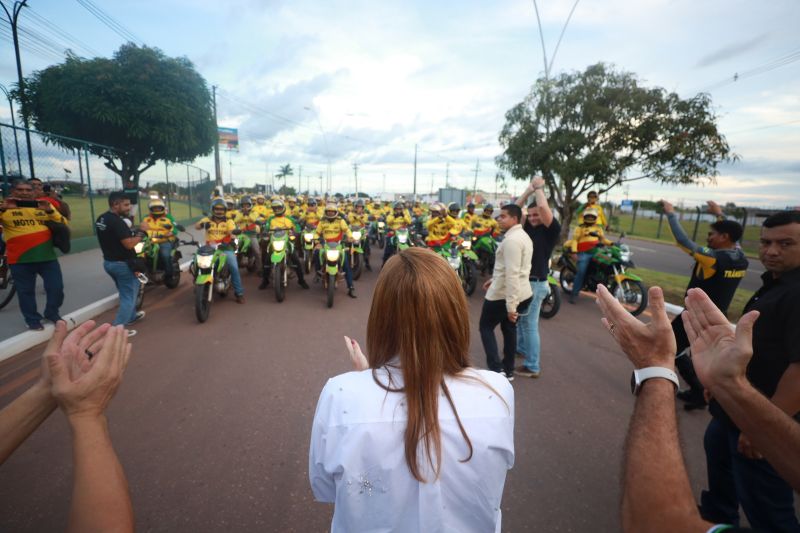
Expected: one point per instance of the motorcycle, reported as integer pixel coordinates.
(147, 252)
(281, 246)
(211, 274)
(463, 261)
(552, 302)
(332, 259)
(308, 248)
(381, 233)
(356, 251)
(245, 253)
(485, 247)
(7, 287)
(608, 267)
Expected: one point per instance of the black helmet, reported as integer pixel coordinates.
(359, 203)
(453, 206)
(470, 204)
(399, 205)
(488, 207)
(246, 200)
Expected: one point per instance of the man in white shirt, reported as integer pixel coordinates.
(509, 292)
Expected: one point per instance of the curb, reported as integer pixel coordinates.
(28, 339)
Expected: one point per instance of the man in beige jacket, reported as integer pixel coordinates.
(509, 292)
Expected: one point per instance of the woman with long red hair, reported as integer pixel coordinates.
(416, 439)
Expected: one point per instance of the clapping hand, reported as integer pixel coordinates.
(645, 345)
(357, 357)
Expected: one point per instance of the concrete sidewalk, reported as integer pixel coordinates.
(85, 282)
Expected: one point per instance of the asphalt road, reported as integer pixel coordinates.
(212, 422)
(669, 258)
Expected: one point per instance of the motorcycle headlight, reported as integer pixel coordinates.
(625, 257)
(308, 237)
(381, 225)
(332, 255)
(402, 238)
(278, 246)
(467, 244)
(455, 262)
(204, 261)
(357, 235)
(139, 247)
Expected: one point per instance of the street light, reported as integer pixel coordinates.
(12, 19)
(13, 125)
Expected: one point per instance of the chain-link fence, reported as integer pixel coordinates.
(83, 181)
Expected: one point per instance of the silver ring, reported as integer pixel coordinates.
(611, 327)
(88, 353)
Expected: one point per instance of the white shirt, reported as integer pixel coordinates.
(357, 458)
(512, 267)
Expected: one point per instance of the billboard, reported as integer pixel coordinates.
(229, 138)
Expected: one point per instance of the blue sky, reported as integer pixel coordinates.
(380, 77)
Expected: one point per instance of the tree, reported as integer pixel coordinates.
(598, 129)
(141, 105)
(284, 172)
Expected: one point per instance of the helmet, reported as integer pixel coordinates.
(156, 205)
(488, 207)
(453, 206)
(436, 207)
(359, 203)
(471, 205)
(312, 202)
(590, 213)
(291, 200)
(277, 207)
(260, 198)
(399, 205)
(229, 202)
(331, 207)
(218, 202)
(246, 200)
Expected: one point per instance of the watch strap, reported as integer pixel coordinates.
(643, 374)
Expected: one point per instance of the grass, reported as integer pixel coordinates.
(648, 228)
(82, 220)
(674, 287)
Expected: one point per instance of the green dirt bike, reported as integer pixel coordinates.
(308, 248)
(356, 250)
(552, 302)
(7, 287)
(332, 261)
(245, 253)
(211, 275)
(608, 267)
(380, 232)
(147, 253)
(281, 247)
(459, 255)
(485, 247)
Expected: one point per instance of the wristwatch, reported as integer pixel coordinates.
(641, 375)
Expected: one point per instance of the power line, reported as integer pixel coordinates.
(755, 71)
(31, 45)
(55, 30)
(110, 21)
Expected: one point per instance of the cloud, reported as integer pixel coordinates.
(732, 50)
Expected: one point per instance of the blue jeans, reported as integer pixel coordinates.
(584, 259)
(528, 342)
(165, 255)
(128, 288)
(733, 479)
(236, 278)
(388, 250)
(25, 280)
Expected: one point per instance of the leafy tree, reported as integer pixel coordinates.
(287, 191)
(141, 105)
(598, 129)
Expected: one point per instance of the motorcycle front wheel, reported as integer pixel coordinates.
(331, 289)
(252, 261)
(278, 272)
(140, 297)
(631, 294)
(381, 241)
(172, 281)
(551, 304)
(470, 280)
(308, 260)
(357, 266)
(566, 278)
(201, 304)
(7, 292)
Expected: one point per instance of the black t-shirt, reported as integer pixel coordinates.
(730, 267)
(776, 334)
(111, 229)
(544, 240)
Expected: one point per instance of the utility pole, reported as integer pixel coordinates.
(415, 173)
(447, 176)
(217, 169)
(299, 178)
(384, 185)
(355, 172)
(12, 19)
(475, 185)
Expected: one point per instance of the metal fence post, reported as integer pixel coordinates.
(3, 167)
(91, 193)
(696, 224)
(660, 222)
(166, 174)
(744, 223)
(189, 191)
(633, 221)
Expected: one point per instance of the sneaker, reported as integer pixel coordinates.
(303, 284)
(137, 318)
(369, 268)
(240, 298)
(524, 371)
(264, 284)
(509, 375)
(53, 319)
(36, 326)
(351, 292)
(131, 332)
(571, 299)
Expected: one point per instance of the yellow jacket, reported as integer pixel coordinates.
(333, 230)
(358, 220)
(482, 225)
(157, 230)
(220, 231)
(395, 222)
(582, 241)
(439, 230)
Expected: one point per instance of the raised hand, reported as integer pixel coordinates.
(357, 357)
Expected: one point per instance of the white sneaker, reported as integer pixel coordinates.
(131, 332)
(137, 318)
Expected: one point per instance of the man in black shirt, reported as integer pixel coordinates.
(117, 242)
(737, 474)
(544, 231)
(718, 269)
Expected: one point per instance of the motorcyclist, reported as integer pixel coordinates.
(587, 236)
(332, 228)
(311, 216)
(292, 209)
(418, 211)
(360, 219)
(460, 226)
(398, 219)
(470, 214)
(279, 220)
(485, 223)
(162, 229)
(220, 230)
(439, 227)
(250, 223)
(261, 208)
(591, 203)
